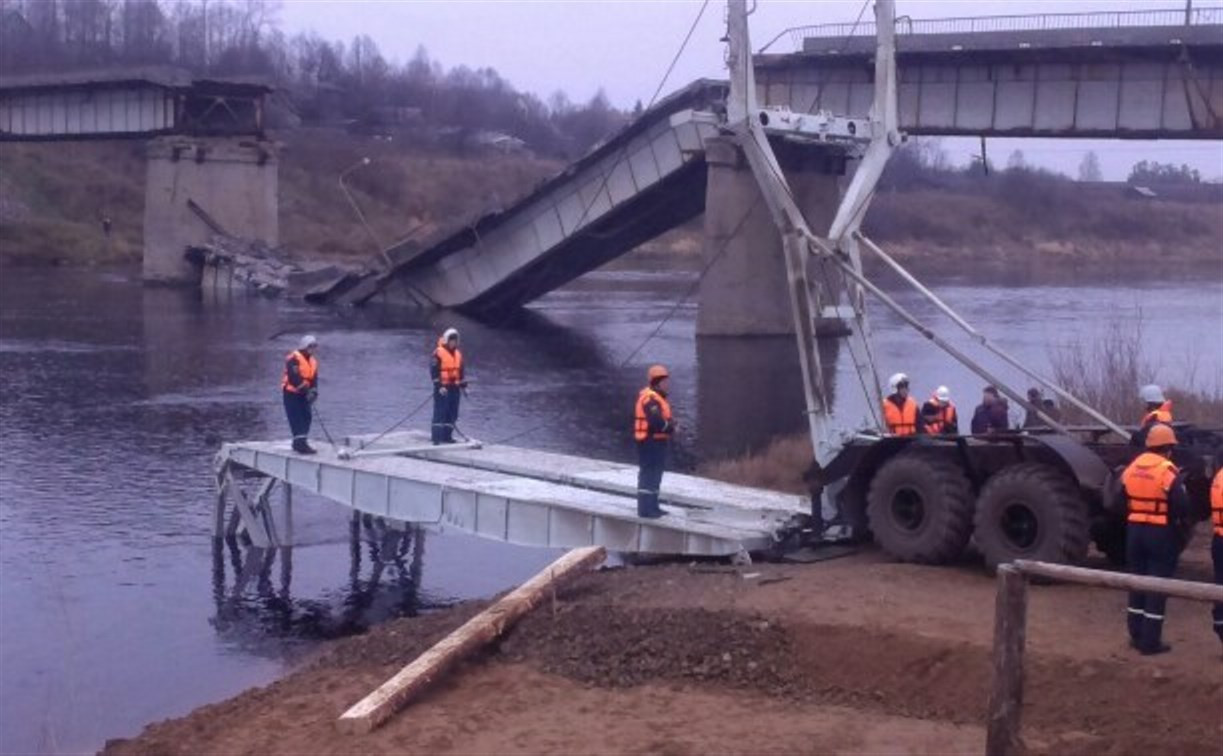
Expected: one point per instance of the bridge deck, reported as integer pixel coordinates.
(524, 496)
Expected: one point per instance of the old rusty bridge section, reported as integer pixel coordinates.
(503, 493)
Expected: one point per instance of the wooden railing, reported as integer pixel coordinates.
(1010, 632)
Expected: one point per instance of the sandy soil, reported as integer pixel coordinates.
(855, 655)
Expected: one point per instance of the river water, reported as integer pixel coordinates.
(114, 608)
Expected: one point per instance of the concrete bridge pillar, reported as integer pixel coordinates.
(744, 291)
(233, 185)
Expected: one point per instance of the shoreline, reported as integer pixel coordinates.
(855, 655)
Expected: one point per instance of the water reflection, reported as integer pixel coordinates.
(252, 587)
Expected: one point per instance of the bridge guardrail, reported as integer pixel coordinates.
(1013, 23)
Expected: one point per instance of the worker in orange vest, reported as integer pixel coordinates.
(1216, 545)
(299, 386)
(446, 369)
(1158, 409)
(938, 415)
(899, 409)
(1157, 508)
(653, 426)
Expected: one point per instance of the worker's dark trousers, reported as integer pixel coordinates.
(445, 415)
(1149, 550)
(1216, 555)
(651, 460)
(297, 410)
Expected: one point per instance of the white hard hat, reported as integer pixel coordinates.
(943, 394)
(450, 333)
(1151, 394)
(307, 341)
(896, 380)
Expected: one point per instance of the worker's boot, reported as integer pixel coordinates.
(1133, 621)
(1151, 641)
(301, 447)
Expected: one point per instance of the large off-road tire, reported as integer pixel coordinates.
(1031, 511)
(920, 507)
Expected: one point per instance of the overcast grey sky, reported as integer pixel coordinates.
(625, 46)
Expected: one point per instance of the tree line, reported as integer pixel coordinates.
(322, 79)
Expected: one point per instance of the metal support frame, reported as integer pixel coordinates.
(252, 515)
(841, 245)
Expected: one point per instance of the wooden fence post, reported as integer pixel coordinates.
(1006, 696)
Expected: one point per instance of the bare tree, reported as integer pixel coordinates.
(1089, 169)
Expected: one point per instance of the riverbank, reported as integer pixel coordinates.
(855, 655)
(54, 200)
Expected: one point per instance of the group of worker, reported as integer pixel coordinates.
(1159, 519)
(1158, 511)
(937, 416)
(653, 422)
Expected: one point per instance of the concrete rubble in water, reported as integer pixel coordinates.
(230, 263)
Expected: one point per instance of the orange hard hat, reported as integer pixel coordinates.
(657, 373)
(1160, 435)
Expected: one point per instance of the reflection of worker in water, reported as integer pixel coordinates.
(653, 426)
(300, 388)
(1157, 507)
(446, 368)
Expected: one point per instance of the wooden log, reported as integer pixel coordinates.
(1006, 696)
(394, 694)
(1186, 589)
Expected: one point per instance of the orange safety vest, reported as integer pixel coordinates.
(1161, 415)
(451, 372)
(1146, 482)
(641, 425)
(945, 417)
(1216, 503)
(307, 368)
(901, 421)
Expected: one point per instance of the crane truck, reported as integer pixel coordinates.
(1043, 493)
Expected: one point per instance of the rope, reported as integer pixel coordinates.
(323, 425)
(401, 421)
(653, 98)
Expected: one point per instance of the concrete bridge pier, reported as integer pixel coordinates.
(198, 186)
(744, 291)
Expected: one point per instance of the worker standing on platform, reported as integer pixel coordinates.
(1216, 545)
(299, 385)
(899, 409)
(1157, 507)
(653, 426)
(1158, 409)
(446, 368)
(938, 414)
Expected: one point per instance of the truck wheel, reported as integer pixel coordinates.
(1031, 511)
(920, 507)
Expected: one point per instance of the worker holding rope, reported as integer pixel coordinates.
(299, 385)
(446, 368)
(653, 426)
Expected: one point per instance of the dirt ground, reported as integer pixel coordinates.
(854, 655)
